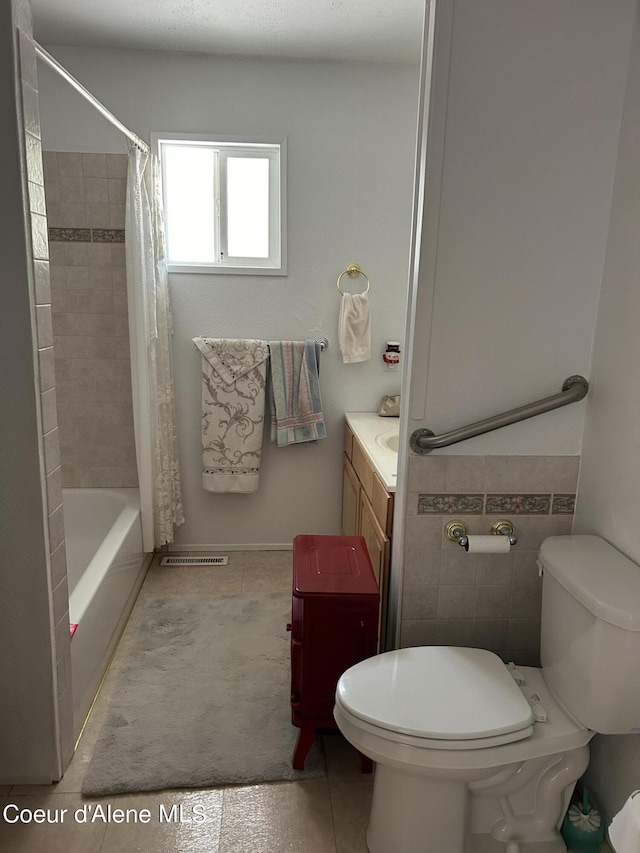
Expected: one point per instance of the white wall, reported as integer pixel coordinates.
(351, 140)
(608, 496)
(516, 213)
(535, 114)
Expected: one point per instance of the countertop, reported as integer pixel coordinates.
(371, 430)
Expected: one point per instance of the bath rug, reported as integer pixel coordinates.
(203, 699)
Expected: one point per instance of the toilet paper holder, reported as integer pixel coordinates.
(504, 527)
(457, 531)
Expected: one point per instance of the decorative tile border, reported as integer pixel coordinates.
(519, 504)
(507, 504)
(107, 235)
(70, 235)
(563, 504)
(86, 235)
(443, 504)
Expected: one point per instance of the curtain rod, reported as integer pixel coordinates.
(62, 71)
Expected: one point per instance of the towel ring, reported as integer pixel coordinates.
(353, 270)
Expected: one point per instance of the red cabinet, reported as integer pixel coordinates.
(334, 625)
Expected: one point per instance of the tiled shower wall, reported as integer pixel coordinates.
(85, 196)
(49, 426)
(488, 601)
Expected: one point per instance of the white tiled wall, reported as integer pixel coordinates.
(85, 190)
(491, 601)
(85, 198)
(42, 299)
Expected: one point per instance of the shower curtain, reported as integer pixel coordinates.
(150, 342)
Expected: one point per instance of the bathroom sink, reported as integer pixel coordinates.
(378, 439)
(388, 440)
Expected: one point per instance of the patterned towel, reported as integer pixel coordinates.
(296, 407)
(233, 397)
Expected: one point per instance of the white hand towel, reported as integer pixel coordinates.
(354, 328)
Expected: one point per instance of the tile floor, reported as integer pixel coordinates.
(315, 816)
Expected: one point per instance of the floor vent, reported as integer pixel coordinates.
(194, 561)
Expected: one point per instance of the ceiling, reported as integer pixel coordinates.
(356, 30)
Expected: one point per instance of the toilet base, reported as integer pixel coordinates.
(416, 813)
(487, 844)
(412, 813)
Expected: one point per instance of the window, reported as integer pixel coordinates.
(224, 205)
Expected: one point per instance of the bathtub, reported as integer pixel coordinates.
(105, 567)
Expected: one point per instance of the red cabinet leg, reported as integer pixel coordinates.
(366, 764)
(306, 737)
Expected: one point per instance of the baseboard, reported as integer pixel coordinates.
(253, 546)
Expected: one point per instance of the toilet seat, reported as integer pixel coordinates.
(478, 745)
(452, 698)
(561, 732)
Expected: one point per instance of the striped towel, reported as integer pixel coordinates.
(296, 407)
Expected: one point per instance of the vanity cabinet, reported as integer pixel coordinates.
(367, 511)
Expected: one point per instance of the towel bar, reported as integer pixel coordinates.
(573, 389)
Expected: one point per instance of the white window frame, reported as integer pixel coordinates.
(276, 153)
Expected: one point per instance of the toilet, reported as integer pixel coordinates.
(475, 756)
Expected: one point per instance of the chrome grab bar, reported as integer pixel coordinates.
(573, 389)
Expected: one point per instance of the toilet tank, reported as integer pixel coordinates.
(590, 633)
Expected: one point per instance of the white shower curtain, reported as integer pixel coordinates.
(150, 342)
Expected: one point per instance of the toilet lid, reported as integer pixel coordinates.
(437, 692)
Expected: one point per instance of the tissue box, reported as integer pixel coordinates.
(390, 406)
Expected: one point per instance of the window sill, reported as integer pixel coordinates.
(208, 269)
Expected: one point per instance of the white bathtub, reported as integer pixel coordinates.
(105, 567)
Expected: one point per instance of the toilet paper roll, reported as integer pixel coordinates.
(624, 832)
(488, 545)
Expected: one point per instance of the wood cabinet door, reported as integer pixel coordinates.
(378, 548)
(350, 500)
(363, 468)
(382, 503)
(348, 441)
